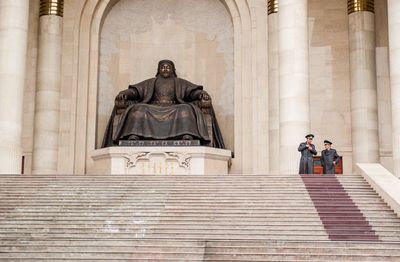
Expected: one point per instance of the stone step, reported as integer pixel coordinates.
(175, 206)
(212, 176)
(179, 218)
(190, 243)
(127, 233)
(138, 202)
(99, 249)
(349, 245)
(183, 223)
(297, 184)
(129, 210)
(173, 235)
(31, 187)
(270, 256)
(381, 230)
(179, 221)
(113, 200)
(194, 217)
(214, 255)
(204, 213)
(220, 256)
(194, 208)
(104, 255)
(179, 180)
(192, 194)
(188, 249)
(169, 230)
(202, 204)
(194, 226)
(156, 182)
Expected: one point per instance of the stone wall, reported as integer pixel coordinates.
(383, 84)
(330, 76)
(30, 85)
(330, 79)
(219, 44)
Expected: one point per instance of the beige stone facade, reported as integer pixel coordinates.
(222, 45)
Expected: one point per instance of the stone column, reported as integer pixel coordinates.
(394, 57)
(383, 84)
(45, 144)
(273, 85)
(294, 115)
(364, 107)
(14, 17)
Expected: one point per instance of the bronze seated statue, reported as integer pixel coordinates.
(163, 108)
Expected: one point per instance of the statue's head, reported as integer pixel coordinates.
(166, 68)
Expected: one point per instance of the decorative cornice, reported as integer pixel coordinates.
(272, 6)
(360, 5)
(52, 7)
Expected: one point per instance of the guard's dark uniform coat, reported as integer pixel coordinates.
(306, 160)
(327, 159)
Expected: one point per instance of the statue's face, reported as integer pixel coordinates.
(165, 70)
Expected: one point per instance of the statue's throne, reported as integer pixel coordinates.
(204, 105)
(175, 128)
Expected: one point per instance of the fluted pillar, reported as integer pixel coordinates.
(13, 44)
(394, 54)
(45, 145)
(364, 107)
(273, 85)
(294, 115)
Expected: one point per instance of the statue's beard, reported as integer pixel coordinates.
(164, 75)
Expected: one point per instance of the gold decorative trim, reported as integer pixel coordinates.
(272, 6)
(360, 5)
(51, 7)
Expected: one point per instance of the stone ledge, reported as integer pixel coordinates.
(383, 182)
(159, 143)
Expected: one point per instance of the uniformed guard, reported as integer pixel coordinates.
(329, 158)
(307, 150)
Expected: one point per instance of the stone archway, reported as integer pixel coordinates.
(196, 35)
(250, 57)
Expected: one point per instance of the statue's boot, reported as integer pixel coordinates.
(133, 137)
(187, 137)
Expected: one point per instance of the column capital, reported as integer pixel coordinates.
(52, 7)
(359, 6)
(272, 6)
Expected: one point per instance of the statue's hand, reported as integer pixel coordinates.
(124, 95)
(205, 101)
(205, 96)
(120, 97)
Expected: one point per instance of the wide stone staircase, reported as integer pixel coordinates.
(195, 218)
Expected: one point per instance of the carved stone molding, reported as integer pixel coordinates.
(182, 158)
(359, 6)
(272, 6)
(134, 157)
(194, 160)
(52, 7)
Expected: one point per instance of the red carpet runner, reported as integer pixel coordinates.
(341, 218)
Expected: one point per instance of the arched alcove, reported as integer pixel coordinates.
(197, 35)
(247, 97)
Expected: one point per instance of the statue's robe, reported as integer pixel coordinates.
(150, 120)
(327, 159)
(306, 160)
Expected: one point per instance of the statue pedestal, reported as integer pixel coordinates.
(193, 160)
